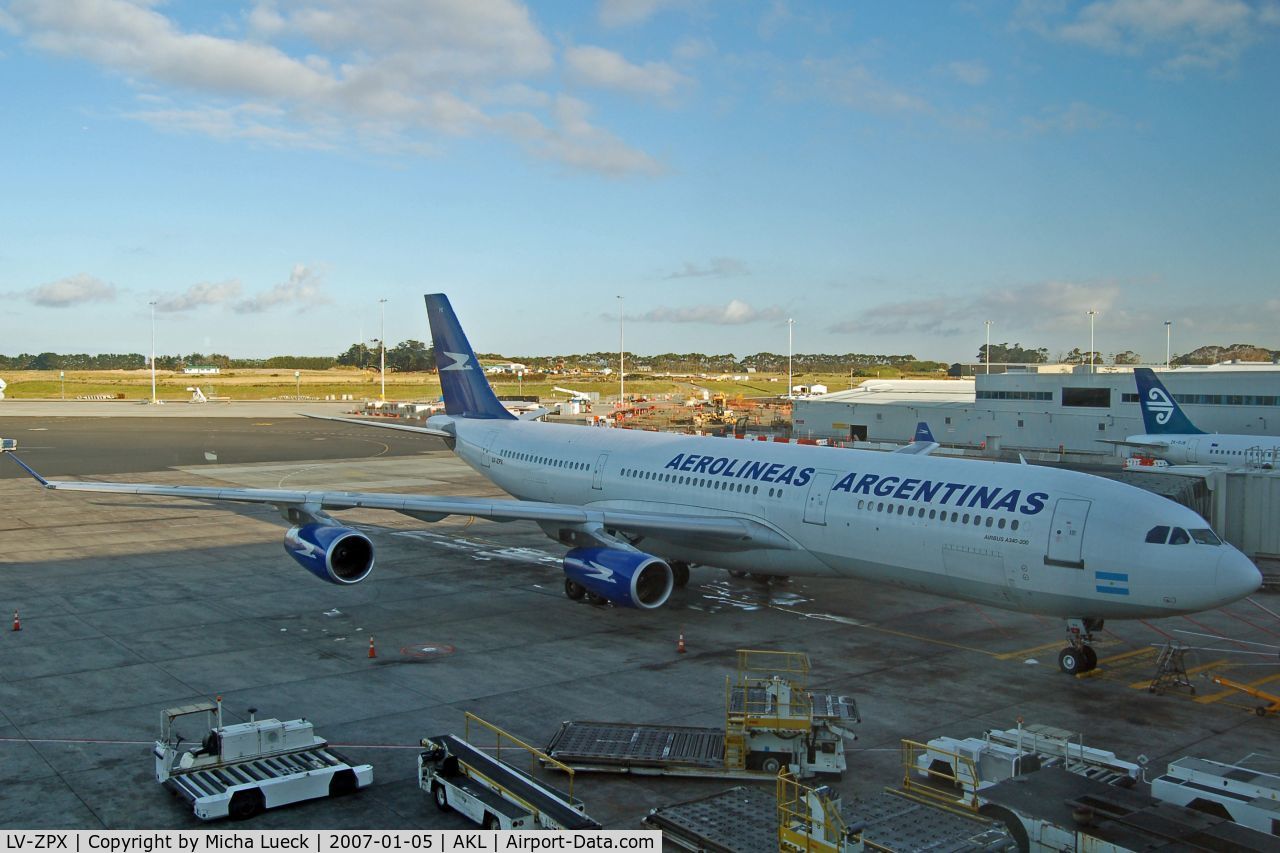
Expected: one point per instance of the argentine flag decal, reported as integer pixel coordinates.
(1112, 583)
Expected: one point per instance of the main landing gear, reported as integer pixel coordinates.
(680, 573)
(1079, 656)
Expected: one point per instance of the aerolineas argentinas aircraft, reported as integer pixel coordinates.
(638, 508)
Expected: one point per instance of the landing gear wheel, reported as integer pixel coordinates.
(574, 590)
(1090, 658)
(680, 574)
(441, 798)
(597, 600)
(1070, 661)
(737, 573)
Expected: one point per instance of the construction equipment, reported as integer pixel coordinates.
(1272, 701)
(719, 413)
(464, 778)
(771, 722)
(238, 770)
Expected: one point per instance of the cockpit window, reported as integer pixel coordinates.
(1205, 536)
(1179, 537)
(1158, 534)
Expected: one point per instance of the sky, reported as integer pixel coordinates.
(888, 176)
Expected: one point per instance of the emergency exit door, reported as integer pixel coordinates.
(1066, 534)
(815, 507)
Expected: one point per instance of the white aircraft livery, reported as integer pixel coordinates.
(639, 508)
(1171, 436)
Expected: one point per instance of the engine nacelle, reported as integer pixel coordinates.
(334, 554)
(627, 578)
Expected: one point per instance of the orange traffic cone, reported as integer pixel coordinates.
(680, 644)
(17, 626)
(373, 653)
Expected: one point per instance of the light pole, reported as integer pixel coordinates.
(62, 377)
(988, 349)
(1168, 326)
(297, 380)
(851, 369)
(622, 350)
(1091, 314)
(382, 345)
(153, 353)
(790, 323)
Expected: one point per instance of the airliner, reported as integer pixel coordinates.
(637, 509)
(1171, 436)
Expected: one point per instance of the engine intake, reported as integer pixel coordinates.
(335, 554)
(627, 578)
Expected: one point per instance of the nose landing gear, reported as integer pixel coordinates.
(1079, 656)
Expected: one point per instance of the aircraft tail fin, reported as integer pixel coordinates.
(923, 444)
(467, 393)
(923, 433)
(1161, 414)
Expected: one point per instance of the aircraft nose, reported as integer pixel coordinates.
(1237, 576)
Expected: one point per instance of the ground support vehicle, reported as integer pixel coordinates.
(1239, 793)
(465, 778)
(771, 723)
(239, 770)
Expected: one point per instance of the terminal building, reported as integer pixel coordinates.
(1042, 407)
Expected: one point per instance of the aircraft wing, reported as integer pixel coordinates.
(1145, 445)
(422, 430)
(731, 532)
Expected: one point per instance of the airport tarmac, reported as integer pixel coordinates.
(131, 605)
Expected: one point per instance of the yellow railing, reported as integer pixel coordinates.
(761, 669)
(536, 755)
(798, 829)
(945, 778)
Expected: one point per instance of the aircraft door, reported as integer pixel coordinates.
(1191, 449)
(1066, 534)
(489, 438)
(815, 506)
(597, 478)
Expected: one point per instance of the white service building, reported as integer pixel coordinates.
(1042, 407)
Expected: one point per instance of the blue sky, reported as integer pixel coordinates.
(890, 176)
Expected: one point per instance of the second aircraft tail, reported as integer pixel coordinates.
(1160, 412)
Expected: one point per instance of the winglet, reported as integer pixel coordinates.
(8, 451)
(466, 392)
(1160, 412)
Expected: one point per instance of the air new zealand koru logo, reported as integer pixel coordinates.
(1160, 405)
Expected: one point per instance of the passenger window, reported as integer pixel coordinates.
(1013, 525)
(1179, 537)
(1205, 536)
(1158, 534)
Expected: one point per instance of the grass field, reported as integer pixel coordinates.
(269, 384)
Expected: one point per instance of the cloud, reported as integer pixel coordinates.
(626, 13)
(604, 69)
(1076, 117)
(718, 268)
(74, 290)
(852, 84)
(1046, 308)
(303, 289)
(734, 313)
(971, 72)
(392, 76)
(1189, 35)
(197, 295)
(573, 140)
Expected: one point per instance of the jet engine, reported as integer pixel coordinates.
(335, 554)
(627, 578)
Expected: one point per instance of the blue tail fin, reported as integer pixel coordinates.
(1160, 413)
(466, 392)
(923, 432)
